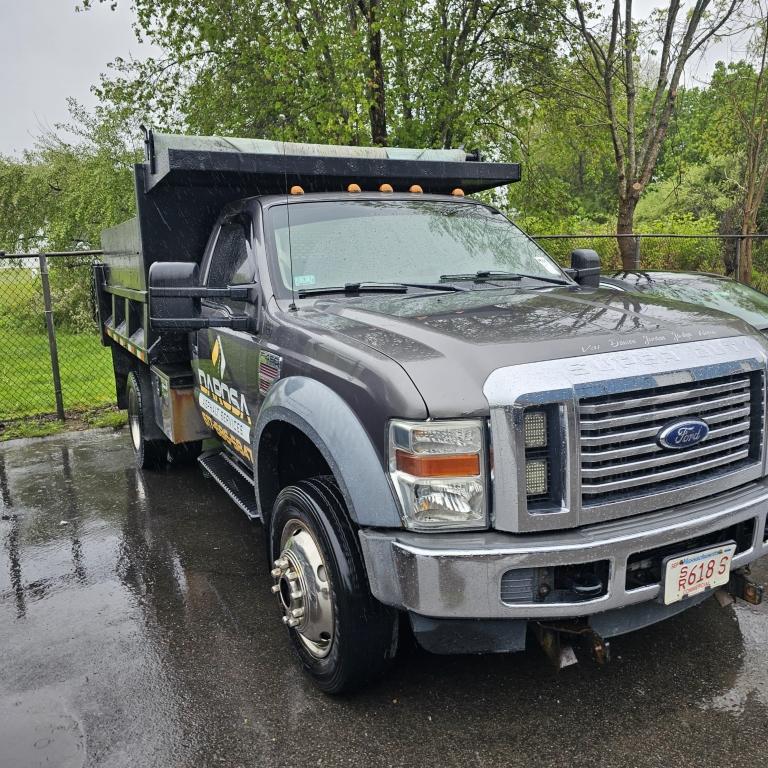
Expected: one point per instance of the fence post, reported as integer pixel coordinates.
(51, 336)
(637, 252)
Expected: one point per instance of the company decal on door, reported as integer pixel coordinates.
(223, 406)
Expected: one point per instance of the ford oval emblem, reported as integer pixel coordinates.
(683, 434)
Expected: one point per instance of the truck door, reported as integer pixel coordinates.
(224, 357)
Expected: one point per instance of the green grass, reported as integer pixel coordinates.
(26, 381)
(43, 426)
(32, 428)
(106, 419)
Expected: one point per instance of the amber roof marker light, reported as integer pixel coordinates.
(297, 190)
(354, 188)
(385, 187)
(415, 188)
(458, 192)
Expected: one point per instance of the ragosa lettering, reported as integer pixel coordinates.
(224, 391)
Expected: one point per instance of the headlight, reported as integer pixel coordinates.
(438, 469)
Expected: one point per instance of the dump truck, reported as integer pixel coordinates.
(445, 434)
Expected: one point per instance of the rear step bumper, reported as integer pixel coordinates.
(233, 479)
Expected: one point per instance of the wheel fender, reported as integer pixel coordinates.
(333, 427)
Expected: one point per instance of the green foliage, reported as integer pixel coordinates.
(106, 419)
(504, 76)
(234, 68)
(17, 430)
(60, 195)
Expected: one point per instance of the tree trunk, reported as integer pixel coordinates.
(748, 227)
(625, 225)
(376, 90)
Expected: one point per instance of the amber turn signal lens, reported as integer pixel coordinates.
(459, 465)
(385, 188)
(297, 190)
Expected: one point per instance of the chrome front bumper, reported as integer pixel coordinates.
(459, 575)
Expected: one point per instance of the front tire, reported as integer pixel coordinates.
(150, 454)
(343, 636)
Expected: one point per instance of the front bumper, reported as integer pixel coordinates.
(458, 575)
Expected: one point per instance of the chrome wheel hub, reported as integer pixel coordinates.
(303, 588)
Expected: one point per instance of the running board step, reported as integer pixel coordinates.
(233, 479)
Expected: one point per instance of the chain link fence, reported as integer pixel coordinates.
(51, 360)
(718, 254)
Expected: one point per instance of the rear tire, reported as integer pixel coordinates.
(150, 454)
(343, 636)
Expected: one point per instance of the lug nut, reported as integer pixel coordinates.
(297, 594)
(275, 589)
(297, 613)
(291, 576)
(282, 563)
(292, 623)
(276, 573)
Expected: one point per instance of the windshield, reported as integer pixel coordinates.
(725, 295)
(357, 241)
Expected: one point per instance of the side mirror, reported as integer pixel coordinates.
(174, 299)
(585, 267)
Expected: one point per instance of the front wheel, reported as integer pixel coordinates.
(343, 636)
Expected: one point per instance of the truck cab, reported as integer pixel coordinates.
(439, 427)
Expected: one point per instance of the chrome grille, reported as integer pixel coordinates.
(620, 457)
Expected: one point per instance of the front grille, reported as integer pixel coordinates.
(621, 458)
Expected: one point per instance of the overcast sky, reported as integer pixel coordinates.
(49, 52)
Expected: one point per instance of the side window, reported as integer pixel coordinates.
(232, 260)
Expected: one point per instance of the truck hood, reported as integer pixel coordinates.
(448, 343)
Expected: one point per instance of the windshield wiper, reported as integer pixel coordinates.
(352, 289)
(484, 275)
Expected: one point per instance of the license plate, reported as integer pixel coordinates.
(691, 573)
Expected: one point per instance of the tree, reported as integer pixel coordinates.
(753, 119)
(405, 72)
(637, 116)
(62, 193)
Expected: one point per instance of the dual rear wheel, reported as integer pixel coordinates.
(151, 452)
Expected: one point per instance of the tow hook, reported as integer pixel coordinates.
(560, 654)
(741, 585)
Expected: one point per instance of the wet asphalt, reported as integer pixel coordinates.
(137, 629)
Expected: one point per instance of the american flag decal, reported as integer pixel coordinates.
(269, 370)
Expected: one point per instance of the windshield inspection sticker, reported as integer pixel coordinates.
(548, 265)
(302, 281)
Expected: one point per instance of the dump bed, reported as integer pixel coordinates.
(185, 182)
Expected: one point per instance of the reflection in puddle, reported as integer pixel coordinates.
(752, 678)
